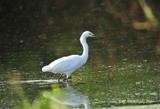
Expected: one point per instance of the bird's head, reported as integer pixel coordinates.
(88, 34)
(85, 35)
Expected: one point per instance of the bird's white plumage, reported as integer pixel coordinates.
(68, 64)
(62, 65)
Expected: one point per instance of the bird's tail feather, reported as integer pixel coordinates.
(45, 68)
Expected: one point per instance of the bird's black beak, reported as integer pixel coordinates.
(99, 37)
(96, 36)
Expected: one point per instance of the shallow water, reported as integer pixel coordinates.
(122, 71)
(125, 83)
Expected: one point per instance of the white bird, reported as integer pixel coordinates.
(68, 64)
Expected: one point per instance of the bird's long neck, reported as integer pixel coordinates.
(85, 49)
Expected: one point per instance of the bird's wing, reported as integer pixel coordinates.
(65, 64)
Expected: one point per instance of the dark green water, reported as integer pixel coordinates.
(122, 69)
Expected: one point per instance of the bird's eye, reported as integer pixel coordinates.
(90, 34)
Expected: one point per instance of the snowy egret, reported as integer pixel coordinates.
(68, 64)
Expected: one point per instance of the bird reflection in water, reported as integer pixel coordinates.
(67, 97)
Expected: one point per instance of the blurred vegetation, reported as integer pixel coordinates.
(32, 25)
(45, 103)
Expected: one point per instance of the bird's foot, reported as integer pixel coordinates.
(66, 80)
(61, 79)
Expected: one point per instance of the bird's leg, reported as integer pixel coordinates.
(65, 79)
(68, 77)
(60, 78)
